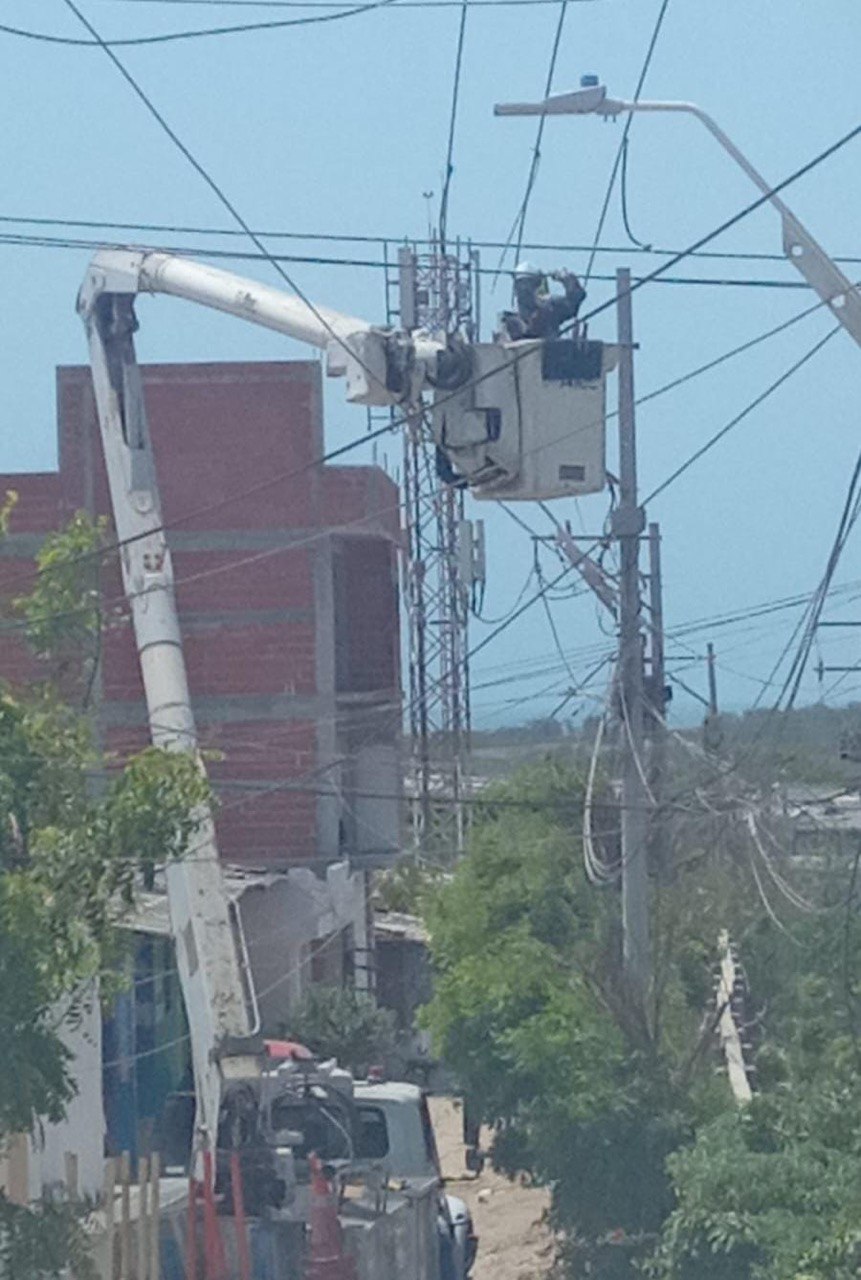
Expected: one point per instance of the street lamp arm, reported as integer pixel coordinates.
(806, 254)
(803, 251)
(613, 107)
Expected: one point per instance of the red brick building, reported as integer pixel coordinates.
(286, 578)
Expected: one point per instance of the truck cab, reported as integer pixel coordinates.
(394, 1128)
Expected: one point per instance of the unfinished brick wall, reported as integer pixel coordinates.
(286, 571)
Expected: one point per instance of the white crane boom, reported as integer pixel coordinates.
(208, 958)
(247, 299)
(379, 368)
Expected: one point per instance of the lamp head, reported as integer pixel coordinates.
(588, 100)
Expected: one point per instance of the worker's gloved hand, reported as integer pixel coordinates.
(569, 280)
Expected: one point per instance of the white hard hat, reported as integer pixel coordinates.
(527, 269)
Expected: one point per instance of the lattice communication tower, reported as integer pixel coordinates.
(428, 288)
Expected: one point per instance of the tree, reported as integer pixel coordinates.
(77, 830)
(531, 1012)
(343, 1023)
(772, 1192)
(624, 1113)
(405, 887)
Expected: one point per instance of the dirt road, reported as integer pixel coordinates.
(515, 1242)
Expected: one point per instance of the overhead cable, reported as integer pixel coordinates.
(449, 158)
(623, 198)
(170, 37)
(19, 240)
(396, 422)
(519, 224)
(325, 237)
(848, 519)
(214, 186)
(623, 143)
(332, 4)
(745, 412)
(597, 872)
(333, 454)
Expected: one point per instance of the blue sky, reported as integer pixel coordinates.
(342, 126)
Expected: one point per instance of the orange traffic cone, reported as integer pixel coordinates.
(326, 1257)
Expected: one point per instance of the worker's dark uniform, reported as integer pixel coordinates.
(541, 315)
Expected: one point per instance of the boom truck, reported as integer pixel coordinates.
(510, 420)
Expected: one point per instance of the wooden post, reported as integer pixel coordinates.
(143, 1218)
(108, 1195)
(125, 1217)
(155, 1218)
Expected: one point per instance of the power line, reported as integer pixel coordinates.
(449, 158)
(650, 278)
(745, 412)
(326, 237)
(172, 36)
(623, 199)
(296, 473)
(214, 187)
(236, 255)
(623, 144)
(332, 4)
(520, 220)
(848, 519)
(517, 613)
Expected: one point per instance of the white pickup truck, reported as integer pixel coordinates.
(395, 1128)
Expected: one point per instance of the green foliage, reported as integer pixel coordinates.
(77, 833)
(772, 1193)
(7, 506)
(531, 1013)
(43, 1243)
(62, 611)
(152, 812)
(69, 861)
(72, 848)
(34, 1076)
(343, 1023)
(405, 887)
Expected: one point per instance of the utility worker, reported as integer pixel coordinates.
(540, 313)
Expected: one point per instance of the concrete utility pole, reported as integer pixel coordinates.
(710, 658)
(628, 522)
(712, 736)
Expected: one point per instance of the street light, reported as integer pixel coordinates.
(820, 272)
